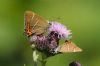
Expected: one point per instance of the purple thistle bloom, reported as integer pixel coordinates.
(53, 41)
(33, 38)
(50, 42)
(75, 63)
(40, 41)
(43, 43)
(60, 29)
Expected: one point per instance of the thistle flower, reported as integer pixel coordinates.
(39, 41)
(33, 38)
(45, 43)
(75, 63)
(50, 42)
(53, 41)
(63, 31)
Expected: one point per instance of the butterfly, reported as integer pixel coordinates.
(68, 46)
(34, 24)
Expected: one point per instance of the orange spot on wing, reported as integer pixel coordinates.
(28, 30)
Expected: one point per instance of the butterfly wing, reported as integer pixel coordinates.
(69, 47)
(34, 24)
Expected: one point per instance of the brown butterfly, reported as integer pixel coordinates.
(34, 24)
(68, 46)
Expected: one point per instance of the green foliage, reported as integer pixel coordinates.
(81, 16)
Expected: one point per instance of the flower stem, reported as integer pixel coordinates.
(35, 57)
(44, 59)
(35, 63)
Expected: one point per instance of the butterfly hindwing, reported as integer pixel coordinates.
(34, 24)
(69, 47)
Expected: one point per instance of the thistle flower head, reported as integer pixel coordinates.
(45, 43)
(75, 63)
(63, 31)
(50, 42)
(33, 38)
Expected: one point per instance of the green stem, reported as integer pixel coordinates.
(35, 57)
(35, 63)
(44, 59)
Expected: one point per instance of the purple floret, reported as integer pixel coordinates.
(62, 30)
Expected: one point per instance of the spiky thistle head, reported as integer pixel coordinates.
(50, 42)
(62, 30)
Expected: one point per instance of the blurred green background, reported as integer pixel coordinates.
(81, 16)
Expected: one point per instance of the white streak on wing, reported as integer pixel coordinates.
(74, 50)
(68, 47)
(36, 21)
(32, 17)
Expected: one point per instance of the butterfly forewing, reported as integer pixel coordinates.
(34, 24)
(69, 47)
(27, 19)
